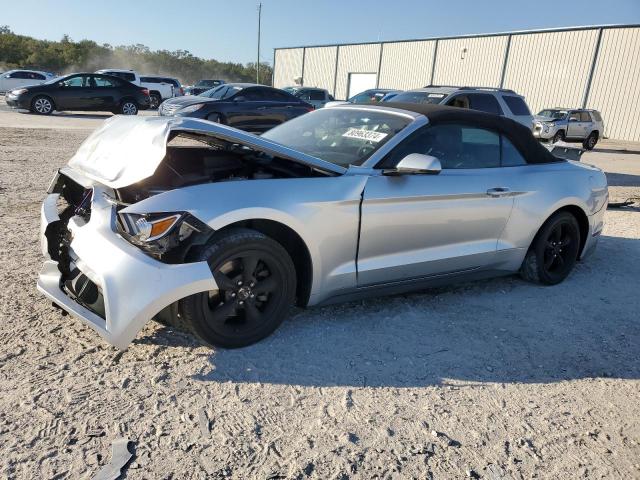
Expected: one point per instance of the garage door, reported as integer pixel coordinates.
(359, 82)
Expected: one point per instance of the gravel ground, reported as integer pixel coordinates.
(496, 379)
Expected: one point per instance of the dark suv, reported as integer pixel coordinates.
(81, 91)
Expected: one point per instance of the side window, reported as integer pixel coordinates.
(511, 156)
(38, 76)
(516, 104)
(456, 146)
(276, 96)
(460, 101)
(574, 117)
(252, 94)
(21, 75)
(585, 117)
(316, 95)
(485, 102)
(76, 82)
(596, 116)
(105, 82)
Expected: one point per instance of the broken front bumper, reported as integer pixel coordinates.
(133, 287)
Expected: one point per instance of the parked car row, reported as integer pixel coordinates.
(218, 101)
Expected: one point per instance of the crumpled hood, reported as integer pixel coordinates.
(128, 149)
(124, 150)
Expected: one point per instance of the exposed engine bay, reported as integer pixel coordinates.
(194, 160)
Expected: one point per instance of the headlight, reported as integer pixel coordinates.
(150, 230)
(18, 91)
(191, 108)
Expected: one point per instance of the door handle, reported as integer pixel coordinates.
(498, 192)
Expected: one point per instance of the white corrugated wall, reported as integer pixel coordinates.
(355, 59)
(548, 68)
(551, 69)
(288, 65)
(470, 61)
(406, 65)
(615, 88)
(320, 67)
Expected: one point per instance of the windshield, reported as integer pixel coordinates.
(418, 97)
(342, 136)
(208, 83)
(555, 114)
(220, 92)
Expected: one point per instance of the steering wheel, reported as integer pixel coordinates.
(365, 149)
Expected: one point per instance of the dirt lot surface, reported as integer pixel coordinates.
(496, 379)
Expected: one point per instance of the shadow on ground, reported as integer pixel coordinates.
(502, 330)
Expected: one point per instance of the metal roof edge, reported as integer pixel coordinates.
(472, 35)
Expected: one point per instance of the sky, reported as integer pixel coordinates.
(227, 30)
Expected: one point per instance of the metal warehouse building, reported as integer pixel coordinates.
(594, 67)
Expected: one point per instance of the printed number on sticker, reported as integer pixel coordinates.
(368, 135)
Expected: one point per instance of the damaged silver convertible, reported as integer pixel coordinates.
(219, 231)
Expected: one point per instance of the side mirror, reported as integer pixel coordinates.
(416, 163)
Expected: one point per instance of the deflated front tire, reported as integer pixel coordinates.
(256, 280)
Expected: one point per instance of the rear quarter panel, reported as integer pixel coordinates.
(541, 190)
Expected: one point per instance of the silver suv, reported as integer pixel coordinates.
(317, 97)
(565, 124)
(499, 101)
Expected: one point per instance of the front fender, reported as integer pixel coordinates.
(323, 211)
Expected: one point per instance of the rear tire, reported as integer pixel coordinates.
(256, 287)
(42, 105)
(154, 101)
(128, 107)
(554, 250)
(590, 142)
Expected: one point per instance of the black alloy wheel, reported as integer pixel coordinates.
(256, 282)
(554, 251)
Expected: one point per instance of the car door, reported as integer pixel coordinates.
(416, 226)
(574, 125)
(76, 93)
(246, 110)
(283, 106)
(15, 80)
(586, 124)
(106, 92)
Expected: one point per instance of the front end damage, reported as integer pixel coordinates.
(115, 267)
(92, 272)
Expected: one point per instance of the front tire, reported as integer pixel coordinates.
(42, 105)
(554, 250)
(128, 107)
(256, 282)
(558, 137)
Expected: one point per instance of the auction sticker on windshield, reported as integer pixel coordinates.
(361, 134)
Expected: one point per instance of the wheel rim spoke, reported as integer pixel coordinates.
(268, 285)
(223, 282)
(249, 265)
(548, 260)
(221, 313)
(252, 314)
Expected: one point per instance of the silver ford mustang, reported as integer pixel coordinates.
(220, 231)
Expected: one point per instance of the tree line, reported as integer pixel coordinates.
(66, 56)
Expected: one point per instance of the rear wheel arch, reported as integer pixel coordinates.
(583, 223)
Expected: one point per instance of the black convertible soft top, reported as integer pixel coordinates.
(520, 136)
